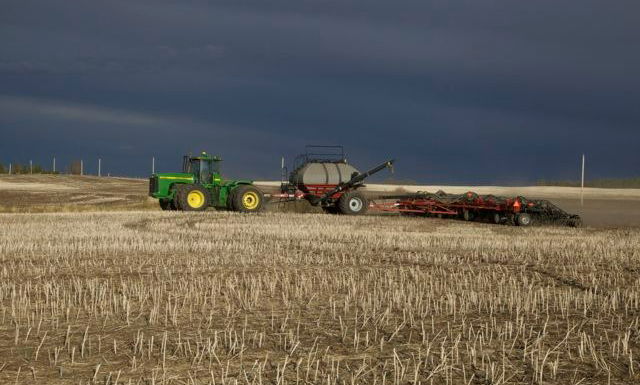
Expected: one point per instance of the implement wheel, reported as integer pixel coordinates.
(353, 203)
(247, 199)
(192, 198)
(523, 219)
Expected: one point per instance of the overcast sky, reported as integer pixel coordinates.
(457, 91)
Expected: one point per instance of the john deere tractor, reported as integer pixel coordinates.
(200, 185)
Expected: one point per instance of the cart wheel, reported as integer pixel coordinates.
(523, 219)
(353, 203)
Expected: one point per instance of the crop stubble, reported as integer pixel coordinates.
(216, 297)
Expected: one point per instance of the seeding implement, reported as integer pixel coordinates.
(200, 185)
(323, 177)
(470, 206)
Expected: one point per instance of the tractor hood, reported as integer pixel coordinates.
(160, 183)
(174, 176)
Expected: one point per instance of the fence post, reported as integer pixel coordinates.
(582, 184)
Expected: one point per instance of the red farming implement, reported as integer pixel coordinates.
(470, 206)
(323, 177)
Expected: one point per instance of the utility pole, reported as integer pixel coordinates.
(9, 168)
(30, 167)
(53, 169)
(81, 167)
(99, 167)
(582, 184)
(153, 164)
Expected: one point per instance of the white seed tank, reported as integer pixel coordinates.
(314, 173)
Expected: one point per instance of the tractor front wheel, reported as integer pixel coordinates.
(192, 198)
(247, 199)
(167, 204)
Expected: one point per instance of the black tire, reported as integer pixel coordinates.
(523, 219)
(353, 203)
(247, 199)
(166, 204)
(575, 222)
(330, 209)
(497, 218)
(174, 201)
(192, 198)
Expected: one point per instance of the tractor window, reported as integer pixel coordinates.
(202, 170)
(205, 171)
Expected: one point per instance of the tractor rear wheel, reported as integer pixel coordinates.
(353, 203)
(192, 198)
(247, 199)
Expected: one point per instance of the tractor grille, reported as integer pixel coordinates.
(153, 184)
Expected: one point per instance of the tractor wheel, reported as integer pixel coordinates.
(167, 204)
(247, 199)
(192, 198)
(523, 219)
(353, 203)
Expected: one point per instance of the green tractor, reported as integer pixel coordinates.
(200, 185)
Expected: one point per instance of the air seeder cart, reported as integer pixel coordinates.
(323, 177)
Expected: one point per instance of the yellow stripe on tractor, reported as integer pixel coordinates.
(175, 177)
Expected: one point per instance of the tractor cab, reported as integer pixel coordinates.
(204, 168)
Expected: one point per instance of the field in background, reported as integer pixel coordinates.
(67, 193)
(225, 298)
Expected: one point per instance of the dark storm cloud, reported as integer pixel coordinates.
(466, 91)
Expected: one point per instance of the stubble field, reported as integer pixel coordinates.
(221, 298)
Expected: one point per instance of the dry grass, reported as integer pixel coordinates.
(67, 193)
(216, 297)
